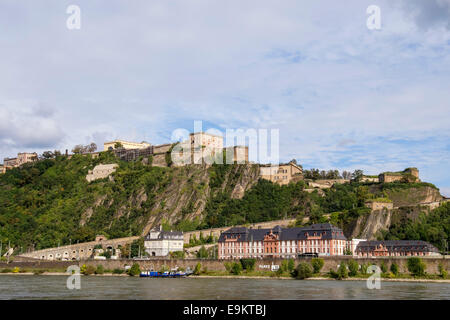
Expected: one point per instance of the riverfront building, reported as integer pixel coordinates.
(240, 242)
(395, 248)
(159, 243)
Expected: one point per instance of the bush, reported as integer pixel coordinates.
(16, 270)
(134, 270)
(6, 271)
(228, 266)
(89, 270)
(236, 268)
(383, 267)
(342, 272)
(38, 271)
(317, 264)
(291, 265)
(353, 268)
(303, 271)
(197, 269)
(416, 266)
(83, 269)
(394, 269)
(364, 268)
(442, 271)
(248, 264)
(118, 271)
(100, 269)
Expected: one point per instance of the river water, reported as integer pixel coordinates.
(110, 288)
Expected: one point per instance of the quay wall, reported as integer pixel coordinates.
(218, 265)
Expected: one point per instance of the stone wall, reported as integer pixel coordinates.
(218, 265)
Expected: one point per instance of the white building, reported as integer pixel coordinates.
(159, 243)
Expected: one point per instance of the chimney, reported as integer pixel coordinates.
(67, 152)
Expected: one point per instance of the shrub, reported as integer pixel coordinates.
(89, 270)
(16, 270)
(383, 267)
(38, 271)
(83, 269)
(353, 268)
(364, 268)
(317, 264)
(134, 270)
(236, 268)
(100, 269)
(442, 270)
(416, 266)
(227, 266)
(248, 264)
(303, 271)
(342, 272)
(118, 271)
(6, 271)
(291, 265)
(394, 269)
(197, 269)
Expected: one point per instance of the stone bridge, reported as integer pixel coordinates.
(81, 251)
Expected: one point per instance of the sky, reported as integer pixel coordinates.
(342, 96)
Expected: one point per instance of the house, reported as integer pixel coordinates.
(395, 248)
(240, 242)
(22, 158)
(159, 243)
(236, 154)
(281, 174)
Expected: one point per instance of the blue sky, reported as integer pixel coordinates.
(342, 96)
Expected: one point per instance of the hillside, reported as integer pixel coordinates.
(50, 202)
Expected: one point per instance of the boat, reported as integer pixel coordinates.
(165, 274)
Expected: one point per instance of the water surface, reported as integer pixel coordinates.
(110, 288)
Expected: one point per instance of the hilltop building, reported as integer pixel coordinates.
(281, 174)
(2, 169)
(407, 175)
(395, 248)
(22, 158)
(125, 145)
(241, 242)
(159, 243)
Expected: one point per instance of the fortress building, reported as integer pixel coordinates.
(22, 158)
(281, 174)
(407, 175)
(125, 145)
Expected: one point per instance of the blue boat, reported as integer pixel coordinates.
(166, 274)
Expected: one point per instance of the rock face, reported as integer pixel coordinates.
(367, 227)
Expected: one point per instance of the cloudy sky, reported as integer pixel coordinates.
(342, 96)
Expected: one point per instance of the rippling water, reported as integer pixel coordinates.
(54, 287)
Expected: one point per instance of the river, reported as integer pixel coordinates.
(111, 288)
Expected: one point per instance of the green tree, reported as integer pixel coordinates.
(236, 268)
(442, 271)
(134, 270)
(416, 266)
(304, 271)
(197, 269)
(353, 268)
(202, 253)
(248, 264)
(342, 271)
(291, 265)
(383, 267)
(89, 270)
(317, 264)
(394, 268)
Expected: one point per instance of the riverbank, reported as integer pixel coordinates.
(447, 281)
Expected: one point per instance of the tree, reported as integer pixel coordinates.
(92, 147)
(317, 264)
(394, 268)
(118, 145)
(236, 268)
(291, 265)
(357, 175)
(134, 270)
(346, 175)
(202, 253)
(416, 266)
(78, 149)
(353, 268)
(48, 155)
(248, 264)
(442, 270)
(197, 269)
(383, 267)
(89, 270)
(342, 272)
(303, 271)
